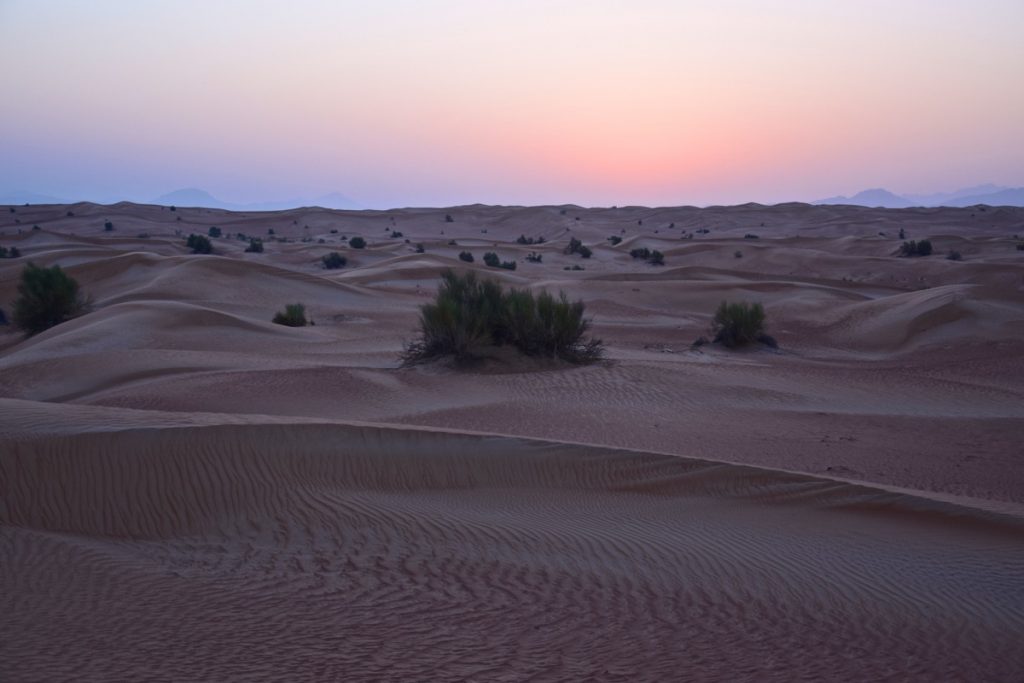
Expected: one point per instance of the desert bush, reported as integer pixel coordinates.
(954, 255)
(46, 297)
(357, 243)
(395, 234)
(108, 227)
(575, 246)
(1020, 246)
(534, 257)
(903, 234)
(491, 259)
(912, 248)
(448, 218)
(523, 239)
(738, 324)
(214, 231)
(255, 246)
(466, 256)
(199, 244)
(333, 261)
(3, 318)
(469, 315)
(737, 254)
(174, 208)
(751, 236)
(13, 252)
(420, 249)
(615, 240)
(643, 253)
(334, 231)
(293, 315)
(656, 258)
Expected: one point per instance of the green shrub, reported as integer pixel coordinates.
(523, 239)
(656, 258)
(448, 218)
(255, 246)
(214, 231)
(13, 252)
(615, 240)
(491, 259)
(293, 315)
(575, 246)
(738, 324)
(420, 248)
(466, 256)
(468, 315)
(199, 244)
(751, 236)
(108, 227)
(46, 297)
(395, 234)
(334, 260)
(912, 248)
(954, 255)
(534, 257)
(357, 243)
(643, 253)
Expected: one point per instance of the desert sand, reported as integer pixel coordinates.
(189, 492)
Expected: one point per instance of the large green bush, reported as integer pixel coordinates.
(468, 315)
(738, 324)
(199, 244)
(46, 297)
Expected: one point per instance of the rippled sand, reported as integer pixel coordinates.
(188, 492)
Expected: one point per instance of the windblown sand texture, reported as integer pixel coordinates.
(189, 492)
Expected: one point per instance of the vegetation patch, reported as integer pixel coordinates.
(333, 261)
(199, 244)
(357, 243)
(46, 297)
(469, 315)
(739, 324)
(293, 315)
(912, 248)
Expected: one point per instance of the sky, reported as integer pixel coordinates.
(437, 103)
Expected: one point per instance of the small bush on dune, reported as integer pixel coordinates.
(333, 261)
(199, 244)
(466, 256)
(108, 227)
(576, 247)
(357, 243)
(954, 255)
(13, 252)
(534, 257)
(255, 246)
(468, 315)
(738, 324)
(293, 315)
(46, 297)
(912, 248)
(214, 231)
(1020, 246)
(615, 240)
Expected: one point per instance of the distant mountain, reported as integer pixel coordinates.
(944, 198)
(191, 196)
(993, 195)
(195, 197)
(1011, 196)
(874, 198)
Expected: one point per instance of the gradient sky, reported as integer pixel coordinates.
(400, 102)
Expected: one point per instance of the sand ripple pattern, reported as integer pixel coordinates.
(255, 550)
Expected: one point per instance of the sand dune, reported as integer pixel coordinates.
(190, 492)
(298, 550)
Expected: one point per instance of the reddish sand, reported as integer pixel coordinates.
(189, 492)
